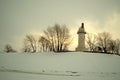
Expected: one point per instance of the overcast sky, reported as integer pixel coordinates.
(21, 17)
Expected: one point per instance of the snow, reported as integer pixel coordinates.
(59, 66)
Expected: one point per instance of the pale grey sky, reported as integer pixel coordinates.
(21, 17)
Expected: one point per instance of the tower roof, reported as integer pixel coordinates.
(81, 29)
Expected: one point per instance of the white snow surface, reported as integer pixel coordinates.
(59, 66)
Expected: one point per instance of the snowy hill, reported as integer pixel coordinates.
(59, 66)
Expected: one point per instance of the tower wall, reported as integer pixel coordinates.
(81, 42)
(81, 39)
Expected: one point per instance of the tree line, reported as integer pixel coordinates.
(57, 39)
(103, 42)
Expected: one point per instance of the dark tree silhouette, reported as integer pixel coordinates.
(103, 40)
(91, 41)
(30, 44)
(117, 46)
(44, 44)
(58, 37)
(8, 48)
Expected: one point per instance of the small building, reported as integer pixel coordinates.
(81, 38)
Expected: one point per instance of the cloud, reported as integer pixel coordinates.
(112, 24)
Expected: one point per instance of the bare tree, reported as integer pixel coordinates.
(111, 46)
(91, 41)
(63, 37)
(30, 44)
(26, 46)
(50, 36)
(117, 46)
(103, 41)
(44, 44)
(8, 48)
(114, 46)
(58, 37)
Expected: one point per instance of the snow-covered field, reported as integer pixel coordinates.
(59, 66)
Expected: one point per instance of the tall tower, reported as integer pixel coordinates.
(81, 38)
